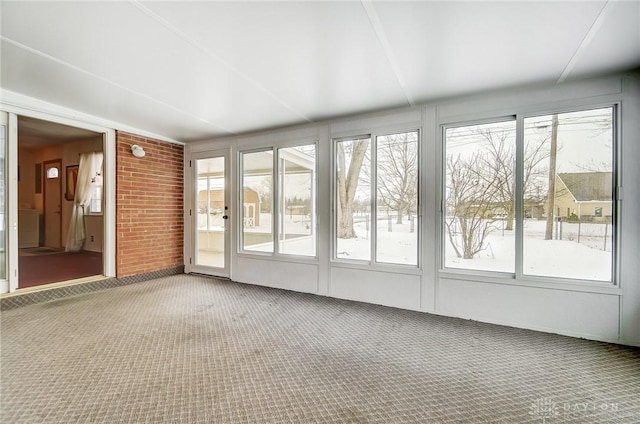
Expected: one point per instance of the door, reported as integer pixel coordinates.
(211, 213)
(52, 203)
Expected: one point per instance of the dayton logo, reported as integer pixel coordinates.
(544, 409)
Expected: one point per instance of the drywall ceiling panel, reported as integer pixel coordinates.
(451, 48)
(123, 46)
(320, 58)
(615, 42)
(38, 77)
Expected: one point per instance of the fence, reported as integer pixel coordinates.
(593, 234)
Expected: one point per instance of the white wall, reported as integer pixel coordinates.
(600, 312)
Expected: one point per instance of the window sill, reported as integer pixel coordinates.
(509, 279)
(311, 260)
(378, 267)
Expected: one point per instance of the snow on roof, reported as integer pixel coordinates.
(588, 186)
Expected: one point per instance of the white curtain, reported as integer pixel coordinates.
(90, 166)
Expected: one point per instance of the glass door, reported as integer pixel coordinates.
(211, 213)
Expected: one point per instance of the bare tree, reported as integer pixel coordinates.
(502, 159)
(397, 173)
(347, 183)
(471, 195)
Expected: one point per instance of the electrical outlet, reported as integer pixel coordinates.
(91, 238)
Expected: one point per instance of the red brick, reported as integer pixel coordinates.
(149, 206)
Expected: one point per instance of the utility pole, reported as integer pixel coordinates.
(548, 235)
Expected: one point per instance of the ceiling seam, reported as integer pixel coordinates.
(374, 19)
(597, 23)
(115, 84)
(162, 21)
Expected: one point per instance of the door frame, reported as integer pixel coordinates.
(24, 106)
(191, 210)
(8, 281)
(44, 198)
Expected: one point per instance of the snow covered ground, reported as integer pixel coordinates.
(400, 246)
(552, 258)
(299, 225)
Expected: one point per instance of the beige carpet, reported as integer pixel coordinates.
(188, 349)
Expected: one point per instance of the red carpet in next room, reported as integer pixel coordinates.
(36, 270)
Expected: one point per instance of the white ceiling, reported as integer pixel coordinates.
(36, 133)
(196, 70)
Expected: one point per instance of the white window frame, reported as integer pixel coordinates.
(372, 263)
(518, 277)
(276, 206)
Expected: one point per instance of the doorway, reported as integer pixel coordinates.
(211, 220)
(49, 155)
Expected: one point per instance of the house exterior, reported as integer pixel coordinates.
(587, 195)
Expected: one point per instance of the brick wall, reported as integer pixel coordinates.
(149, 206)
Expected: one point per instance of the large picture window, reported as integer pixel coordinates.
(563, 190)
(480, 197)
(569, 209)
(376, 198)
(278, 197)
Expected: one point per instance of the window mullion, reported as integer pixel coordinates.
(519, 196)
(373, 163)
(275, 207)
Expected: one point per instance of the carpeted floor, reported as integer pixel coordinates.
(189, 349)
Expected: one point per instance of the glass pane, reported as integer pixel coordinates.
(397, 202)
(257, 199)
(53, 172)
(297, 191)
(210, 210)
(353, 199)
(568, 230)
(480, 189)
(3, 216)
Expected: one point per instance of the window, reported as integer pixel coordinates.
(563, 191)
(210, 194)
(574, 178)
(397, 198)
(376, 198)
(53, 172)
(480, 197)
(353, 198)
(95, 206)
(296, 179)
(292, 197)
(257, 201)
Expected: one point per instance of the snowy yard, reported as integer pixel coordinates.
(554, 258)
(566, 258)
(400, 246)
